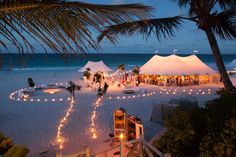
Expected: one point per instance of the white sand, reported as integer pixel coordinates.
(34, 124)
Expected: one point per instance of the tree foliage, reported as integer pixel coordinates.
(7, 149)
(61, 25)
(136, 70)
(204, 132)
(121, 67)
(87, 73)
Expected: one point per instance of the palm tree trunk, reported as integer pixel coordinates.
(218, 59)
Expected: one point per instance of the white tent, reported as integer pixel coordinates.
(95, 67)
(232, 65)
(175, 65)
(197, 66)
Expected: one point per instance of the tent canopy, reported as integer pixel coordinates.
(232, 65)
(175, 65)
(95, 67)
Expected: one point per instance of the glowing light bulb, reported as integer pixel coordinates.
(92, 130)
(94, 136)
(121, 136)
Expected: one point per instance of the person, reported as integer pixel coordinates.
(167, 82)
(177, 81)
(105, 88)
(100, 92)
(31, 82)
(180, 82)
(71, 88)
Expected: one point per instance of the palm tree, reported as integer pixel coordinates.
(214, 17)
(121, 67)
(60, 25)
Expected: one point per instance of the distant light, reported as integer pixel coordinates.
(94, 135)
(121, 136)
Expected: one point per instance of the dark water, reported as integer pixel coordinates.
(54, 61)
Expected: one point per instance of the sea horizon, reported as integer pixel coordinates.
(52, 61)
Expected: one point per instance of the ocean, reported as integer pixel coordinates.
(56, 62)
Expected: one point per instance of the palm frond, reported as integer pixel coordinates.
(182, 3)
(227, 4)
(62, 26)
(162, 27)
(225, 24)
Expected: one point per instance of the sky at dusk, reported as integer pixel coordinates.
(186, 40)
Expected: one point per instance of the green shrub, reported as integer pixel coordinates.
(7, 149)
(204, 132)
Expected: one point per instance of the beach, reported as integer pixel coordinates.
(34, 124)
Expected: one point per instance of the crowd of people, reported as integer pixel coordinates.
(171, 80)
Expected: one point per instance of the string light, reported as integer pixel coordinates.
(15, 95)
(59, 137)
(93, 118)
